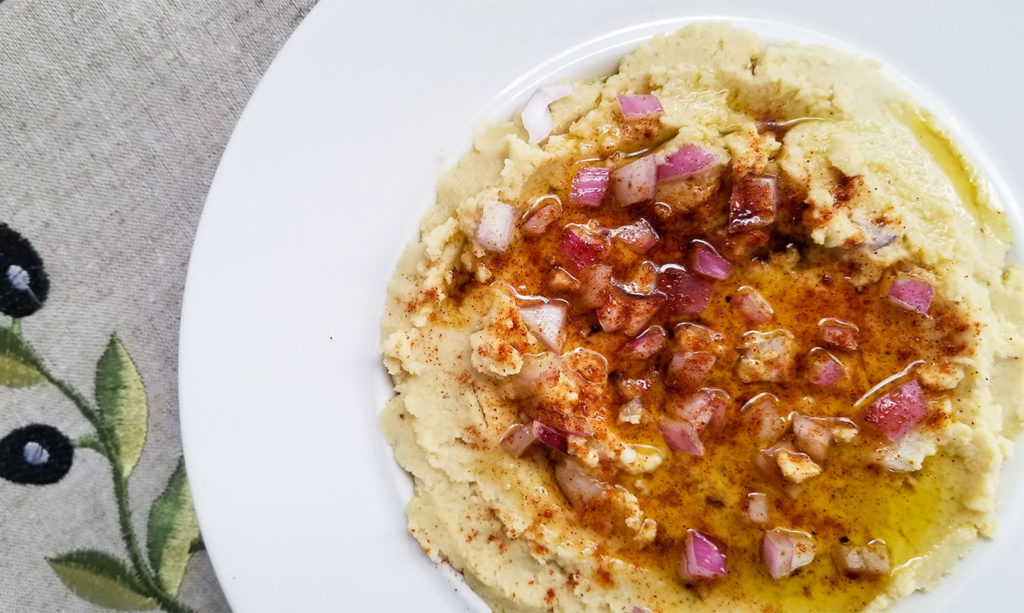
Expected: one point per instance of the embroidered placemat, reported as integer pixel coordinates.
(113, 117)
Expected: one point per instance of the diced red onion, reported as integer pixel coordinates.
(765, 458)
(538, 221)
(550, 437)
(910, 292)
(640, 106)
(702, 558)
(578, 487)
(838, 333)
(632, 411)
(784, 551)
(561, 281)
(580, 248)
(877, 237)
(681, 436)
(897, 412)
(538, 369)
(752, 305)
(626, 313)
(823, 368)
(753, 203)
(518, 439)
(496, 222)
(536, 114)
(645, 346)
(597, 282)
(589, 364)
(639, 236)
(695, 337)
(706, 261)
(635, 182)
(707, 406)
(761, 416)
(589, 185)
(689, 160)
(688, 368)
(685, 293)
(757, 508)
(631, 388)
(547, 322)
(870, 559)
(812, 437)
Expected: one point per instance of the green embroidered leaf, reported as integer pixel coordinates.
(122, 402)
(101, 579)
(172, 531)
(17, 361)
(89, 441)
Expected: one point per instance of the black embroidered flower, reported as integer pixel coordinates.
(35, 454)
(23, 282)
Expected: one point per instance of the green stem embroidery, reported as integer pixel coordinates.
(106, 443)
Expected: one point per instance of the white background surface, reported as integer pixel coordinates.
(324, 181)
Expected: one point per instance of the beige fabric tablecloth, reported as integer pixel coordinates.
(113, 116)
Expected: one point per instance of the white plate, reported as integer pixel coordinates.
(325, 178)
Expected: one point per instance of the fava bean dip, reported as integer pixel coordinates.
(731, 329)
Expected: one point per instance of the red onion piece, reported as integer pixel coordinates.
(635, 182)
(546, 321)
(632, 412)
(536, 115)
(752, 305)
(681, 436)
(838, 333)
(687, 369)
(538, 369)
(823, 368)
(812, 437)
(645, 346)
(757, 508)
(687, 161)
(587, 363)
(685, 293)
(705, 260)
(538, 221)
(784, 551)
(578, 487)
(897, 412)
(580, 248)
(518, 439)
(597, 283)
(753, 203)
(870, 559)
(640, 106)
(627, 313)
(496, 222)
(765, 459)
(631, 388)
(550, 437)
(695, 337)
(639, 236)
(706, 406)
(702, 559)
(760, 415)
(589, 185)
(910, 292)
(561, 281)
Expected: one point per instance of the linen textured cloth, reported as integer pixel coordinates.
(113, 117)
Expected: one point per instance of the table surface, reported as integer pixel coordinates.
(113, 117)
